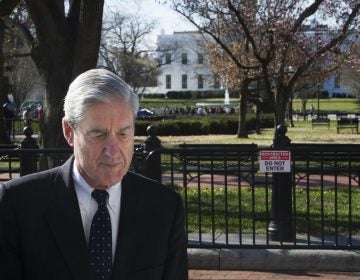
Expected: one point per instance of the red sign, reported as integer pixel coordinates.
(274, 155)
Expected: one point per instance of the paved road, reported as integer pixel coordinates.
(283, 275)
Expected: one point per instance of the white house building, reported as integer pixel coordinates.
(334, 85)
(184, 67)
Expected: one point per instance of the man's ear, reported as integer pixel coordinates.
(68, 131)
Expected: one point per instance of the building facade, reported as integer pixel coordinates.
(184, 66)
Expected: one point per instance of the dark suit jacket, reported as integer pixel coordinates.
(42, 237)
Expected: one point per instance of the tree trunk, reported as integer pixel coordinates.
(67, 46)
(242, 130)
(3, 135)
(281, 101)
(88, 36)
(50, 126)
(55, 65)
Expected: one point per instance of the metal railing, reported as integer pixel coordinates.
(18, 162)
(231, 203)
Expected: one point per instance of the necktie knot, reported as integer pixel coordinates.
(100, 196)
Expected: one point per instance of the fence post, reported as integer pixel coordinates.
(281, 222)
(153, 163)
(28, 161)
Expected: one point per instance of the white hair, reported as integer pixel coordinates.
(93, 87)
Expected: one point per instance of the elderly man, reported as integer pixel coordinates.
(92, 218)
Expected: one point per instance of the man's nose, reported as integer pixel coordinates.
(112, 146)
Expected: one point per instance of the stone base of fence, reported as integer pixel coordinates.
(274, 259)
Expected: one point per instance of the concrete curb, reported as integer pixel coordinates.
(274, 259)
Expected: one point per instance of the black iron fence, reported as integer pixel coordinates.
(19, 162)
(232, 202)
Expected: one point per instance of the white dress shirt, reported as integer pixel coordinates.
(88, 205)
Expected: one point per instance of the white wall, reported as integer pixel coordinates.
(176, 45)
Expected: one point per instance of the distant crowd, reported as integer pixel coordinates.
(188, 110)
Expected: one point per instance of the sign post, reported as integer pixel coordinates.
(278, 162)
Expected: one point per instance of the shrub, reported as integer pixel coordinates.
(153, 95)
(202, 125)
(197, 94)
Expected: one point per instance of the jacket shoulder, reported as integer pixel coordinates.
(147, 185)
(31, 182)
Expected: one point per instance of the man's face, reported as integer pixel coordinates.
(103, 143)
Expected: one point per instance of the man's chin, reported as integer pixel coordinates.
(109, 181)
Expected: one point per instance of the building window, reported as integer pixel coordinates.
(200, 81)
(184, 58)
(337, 80)
(168, 58)
(184, 81)
(200, 58)
(216, 81)
(168, 81)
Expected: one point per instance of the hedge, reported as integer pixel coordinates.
(203, 125)
(201, 94)
(195, 94)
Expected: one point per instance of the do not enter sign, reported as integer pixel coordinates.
(275, 161)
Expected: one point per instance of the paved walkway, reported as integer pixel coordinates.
(281, 275)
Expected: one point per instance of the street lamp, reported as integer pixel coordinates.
(318, 100)
(257, 108)
(291, 71)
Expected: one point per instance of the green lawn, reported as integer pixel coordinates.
(301, 133)
(331, 104)
(214, 203)
(328, 104)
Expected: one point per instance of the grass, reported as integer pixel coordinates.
(224, 210)
(301, 133)
(329, 104)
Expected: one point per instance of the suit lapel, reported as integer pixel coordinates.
(125, 255)
(65, 221)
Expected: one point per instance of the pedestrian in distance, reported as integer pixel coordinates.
(27, 117)
(9, 116)
(92, 218)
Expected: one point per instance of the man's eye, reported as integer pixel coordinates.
(123, 135)
(97, 136)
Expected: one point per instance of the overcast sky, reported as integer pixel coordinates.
(167, 20)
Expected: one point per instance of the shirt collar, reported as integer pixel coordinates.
(85, 190)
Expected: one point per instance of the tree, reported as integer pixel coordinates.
(124, 51)
(231, 77)
(66, 43)
(3, 135)
(351, 71)
(274, 37)
(19, 66)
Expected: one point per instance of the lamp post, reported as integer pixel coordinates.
(257, 108)
(318, 100)
(290, 72)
